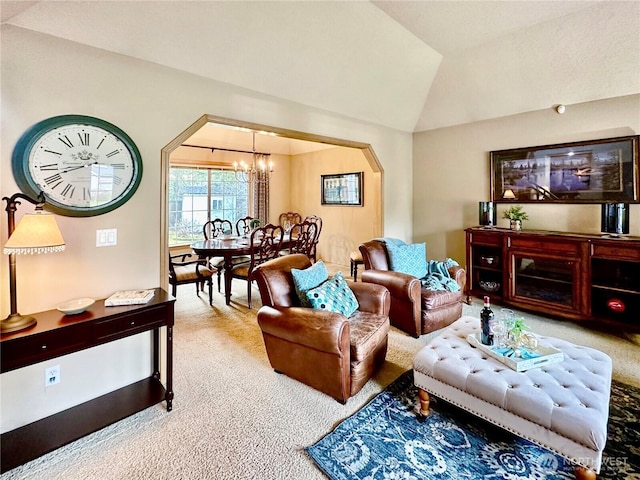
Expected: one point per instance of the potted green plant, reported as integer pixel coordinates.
(518, 336)
(518, 327)
(515, 214)
(254, 223)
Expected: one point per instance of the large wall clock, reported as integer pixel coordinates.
(85, 166)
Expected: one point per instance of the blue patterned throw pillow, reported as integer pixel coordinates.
(411, 259)
(307, 279)
(334, 295)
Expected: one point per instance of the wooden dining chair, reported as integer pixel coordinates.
(318, 222)
(290, 217)
(187, 268)
(216, 228)
(302, 237)
(243, 226)
(266, 243)
(213, 229)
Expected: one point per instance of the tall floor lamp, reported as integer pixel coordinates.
(37, 232)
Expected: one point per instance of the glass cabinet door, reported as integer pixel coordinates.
(615, 289)
(548, 279)
(487, 271)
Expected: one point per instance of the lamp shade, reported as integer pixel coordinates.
(37, 232)
(508, 194)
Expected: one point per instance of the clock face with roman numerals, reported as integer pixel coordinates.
(85, 166)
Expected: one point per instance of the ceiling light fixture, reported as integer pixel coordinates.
(259, 171)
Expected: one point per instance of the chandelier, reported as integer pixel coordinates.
(259, 171)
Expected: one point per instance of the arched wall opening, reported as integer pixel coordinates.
(345, 227)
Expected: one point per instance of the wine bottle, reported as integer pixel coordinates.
(486, 322)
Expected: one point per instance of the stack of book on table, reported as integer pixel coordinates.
(129, 297)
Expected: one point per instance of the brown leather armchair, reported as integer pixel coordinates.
(325, 350)
(414, 309)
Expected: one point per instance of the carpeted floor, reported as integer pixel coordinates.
(387, 439)
(234, 417)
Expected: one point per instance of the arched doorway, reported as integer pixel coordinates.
(339, 244)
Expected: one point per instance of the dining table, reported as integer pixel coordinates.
(228, 248)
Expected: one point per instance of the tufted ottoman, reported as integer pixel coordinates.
(563, 407)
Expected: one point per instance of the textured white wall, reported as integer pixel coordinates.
(591, 54)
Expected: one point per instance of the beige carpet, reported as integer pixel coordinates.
(233, 417)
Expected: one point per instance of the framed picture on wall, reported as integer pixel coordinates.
(596, 171)
(342, 189)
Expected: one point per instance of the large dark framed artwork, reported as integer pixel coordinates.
(342, 189)
(596, 171)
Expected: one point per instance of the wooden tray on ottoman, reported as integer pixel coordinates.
(545, 355)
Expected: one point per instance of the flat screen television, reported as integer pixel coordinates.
(615, 218)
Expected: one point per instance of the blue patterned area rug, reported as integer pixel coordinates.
(388, 440)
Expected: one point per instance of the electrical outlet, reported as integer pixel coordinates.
(51, 375)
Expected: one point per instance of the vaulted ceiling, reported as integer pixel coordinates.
(408, 65)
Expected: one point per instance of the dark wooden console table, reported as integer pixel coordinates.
(57, 334)
(570, 275)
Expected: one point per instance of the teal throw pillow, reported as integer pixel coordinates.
(334, 295)
(411, 259)
(307, 279)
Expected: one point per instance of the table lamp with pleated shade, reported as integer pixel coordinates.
(36, 233)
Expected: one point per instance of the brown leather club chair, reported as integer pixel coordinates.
(414, 309)
(325, 350)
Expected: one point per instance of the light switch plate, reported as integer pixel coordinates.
(106, 237)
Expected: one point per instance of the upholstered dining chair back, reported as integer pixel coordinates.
(291, 217)
(216, 227)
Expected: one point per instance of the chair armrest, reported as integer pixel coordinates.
(400, 285)
(181, 259)
(200, 263)
(317, 329)
(372, 298)
(459, 275)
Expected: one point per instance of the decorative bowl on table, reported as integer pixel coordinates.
(489, 286)
(489, 261)
(73, 307)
